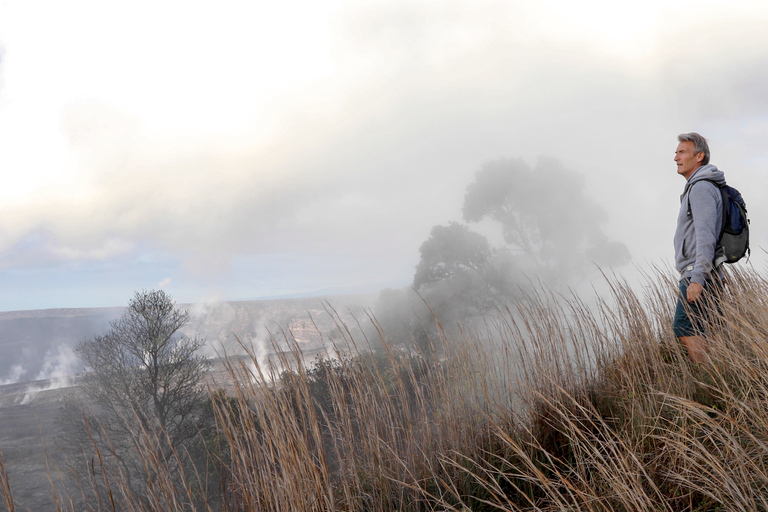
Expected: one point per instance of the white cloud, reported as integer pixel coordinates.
(348, 130)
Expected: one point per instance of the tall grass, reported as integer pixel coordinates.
(551, 403)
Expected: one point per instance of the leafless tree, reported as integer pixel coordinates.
(143, 381)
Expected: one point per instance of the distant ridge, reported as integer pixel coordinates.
(34, 313)
(37, 344)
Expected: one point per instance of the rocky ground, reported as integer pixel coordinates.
(26, 430)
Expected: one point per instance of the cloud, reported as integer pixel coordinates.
(360, 157)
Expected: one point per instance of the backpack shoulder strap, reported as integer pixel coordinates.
(723, 194)
(689, 186)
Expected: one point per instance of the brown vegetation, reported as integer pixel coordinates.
(551, 404)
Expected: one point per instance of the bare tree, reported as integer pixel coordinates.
(143, 381)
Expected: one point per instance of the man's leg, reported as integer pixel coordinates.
(697, 348)
(687, 326)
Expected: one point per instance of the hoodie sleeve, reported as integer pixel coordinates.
(706, 209)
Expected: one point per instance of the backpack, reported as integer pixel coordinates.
(733, 242)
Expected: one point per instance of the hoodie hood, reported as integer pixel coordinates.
(706, 172)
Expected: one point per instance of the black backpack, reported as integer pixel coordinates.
(733, 242)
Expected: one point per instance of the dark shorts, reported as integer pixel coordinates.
(691, 318)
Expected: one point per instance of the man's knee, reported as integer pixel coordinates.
(697, 347)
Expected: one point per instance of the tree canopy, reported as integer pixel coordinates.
(545, 217)
(143, 364)
(449, 251)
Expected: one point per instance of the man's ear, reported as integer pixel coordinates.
(700, 156)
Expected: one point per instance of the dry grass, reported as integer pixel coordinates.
(549, 404)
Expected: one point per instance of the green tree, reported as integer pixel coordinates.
(450, 251)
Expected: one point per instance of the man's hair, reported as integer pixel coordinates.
(699, 144)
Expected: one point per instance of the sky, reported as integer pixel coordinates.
(248, 149)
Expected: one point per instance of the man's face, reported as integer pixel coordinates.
(687, 161)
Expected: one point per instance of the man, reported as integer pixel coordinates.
(698, 230)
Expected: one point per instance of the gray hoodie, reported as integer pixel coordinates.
(697, 234)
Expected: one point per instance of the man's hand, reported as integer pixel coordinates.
(694, 292)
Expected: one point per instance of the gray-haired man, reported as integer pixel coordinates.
(698, 229)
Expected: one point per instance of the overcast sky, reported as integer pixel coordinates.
(241, 149)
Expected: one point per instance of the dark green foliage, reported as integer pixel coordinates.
(449, 252)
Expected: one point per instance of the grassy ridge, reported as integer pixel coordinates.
(550, 404)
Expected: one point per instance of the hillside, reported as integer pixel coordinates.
(551, 404)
